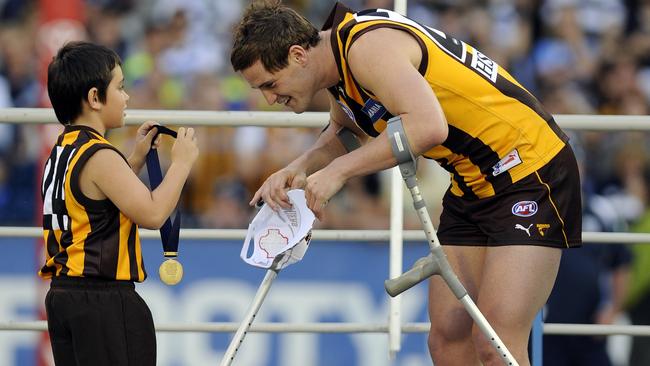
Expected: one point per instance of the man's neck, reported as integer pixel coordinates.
(325, 55)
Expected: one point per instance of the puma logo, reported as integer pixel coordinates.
(526, 229)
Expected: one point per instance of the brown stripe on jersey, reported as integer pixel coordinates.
(563, 136)
(62, 258)
(133, 263)
(460, 181)
(101, 254)
(512, 90)
(479, 154)
(343, 33)
(51, 244)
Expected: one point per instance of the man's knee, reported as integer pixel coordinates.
(451, 326)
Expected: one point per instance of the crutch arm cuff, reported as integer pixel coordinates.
(349, 140)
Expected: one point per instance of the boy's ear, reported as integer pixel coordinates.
(93, 99)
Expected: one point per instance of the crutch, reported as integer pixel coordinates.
(436, 262)
(245, 324)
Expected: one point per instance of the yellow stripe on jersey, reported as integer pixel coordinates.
(79, 220)
(124, 266)
(489, 113)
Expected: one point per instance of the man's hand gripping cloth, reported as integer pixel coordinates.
(279, 238)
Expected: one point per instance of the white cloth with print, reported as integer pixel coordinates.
(279, 238)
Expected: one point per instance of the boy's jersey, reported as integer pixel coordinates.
(498, 132)
(84, 237)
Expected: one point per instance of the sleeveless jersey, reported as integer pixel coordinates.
(84, 237)
(498, 132)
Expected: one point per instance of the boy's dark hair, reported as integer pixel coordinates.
(266, 32)
(77, 68)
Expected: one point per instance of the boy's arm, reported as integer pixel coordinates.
(107, 175)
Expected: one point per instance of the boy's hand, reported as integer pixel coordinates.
(185, 149)
(143, 142)
(144, 137)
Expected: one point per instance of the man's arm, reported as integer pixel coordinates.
(394, 79)
(392, 76)
(327, 147)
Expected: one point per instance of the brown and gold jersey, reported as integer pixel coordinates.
(84, 237)
(498, 132)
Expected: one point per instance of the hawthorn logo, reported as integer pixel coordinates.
(542, 228)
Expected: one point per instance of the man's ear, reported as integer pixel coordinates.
(93, 99)
(297, 54)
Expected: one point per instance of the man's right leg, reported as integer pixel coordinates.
(450, 336)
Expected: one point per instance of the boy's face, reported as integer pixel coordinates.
(116, 98)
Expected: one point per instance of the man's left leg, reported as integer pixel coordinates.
(516, 282)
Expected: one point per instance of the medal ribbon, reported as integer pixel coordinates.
(170, 230)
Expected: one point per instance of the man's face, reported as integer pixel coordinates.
(290, 86)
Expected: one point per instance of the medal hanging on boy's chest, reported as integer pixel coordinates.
(171, 270)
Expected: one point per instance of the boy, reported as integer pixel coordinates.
(93, 203)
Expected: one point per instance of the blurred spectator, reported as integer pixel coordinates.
(104, 23)
(590, 288)
(638, 302)
(228, 205)
(591, 285)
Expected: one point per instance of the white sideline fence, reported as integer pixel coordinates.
(378, 237)
(231, 327)
(290, 119)
(396, 235)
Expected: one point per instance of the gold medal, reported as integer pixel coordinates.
(171, 272)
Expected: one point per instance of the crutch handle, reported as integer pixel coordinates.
(422, 269)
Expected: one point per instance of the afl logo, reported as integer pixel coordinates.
(524, 208)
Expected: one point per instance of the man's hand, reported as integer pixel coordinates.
(320, 187)
(274, 189)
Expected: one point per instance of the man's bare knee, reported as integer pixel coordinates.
(450, 338)
(453, 326)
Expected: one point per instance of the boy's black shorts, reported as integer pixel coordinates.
(542, 209)
(95, 322)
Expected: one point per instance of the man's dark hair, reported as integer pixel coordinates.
(266, 32)
(77, 68)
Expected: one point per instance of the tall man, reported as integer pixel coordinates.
(514, 198)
